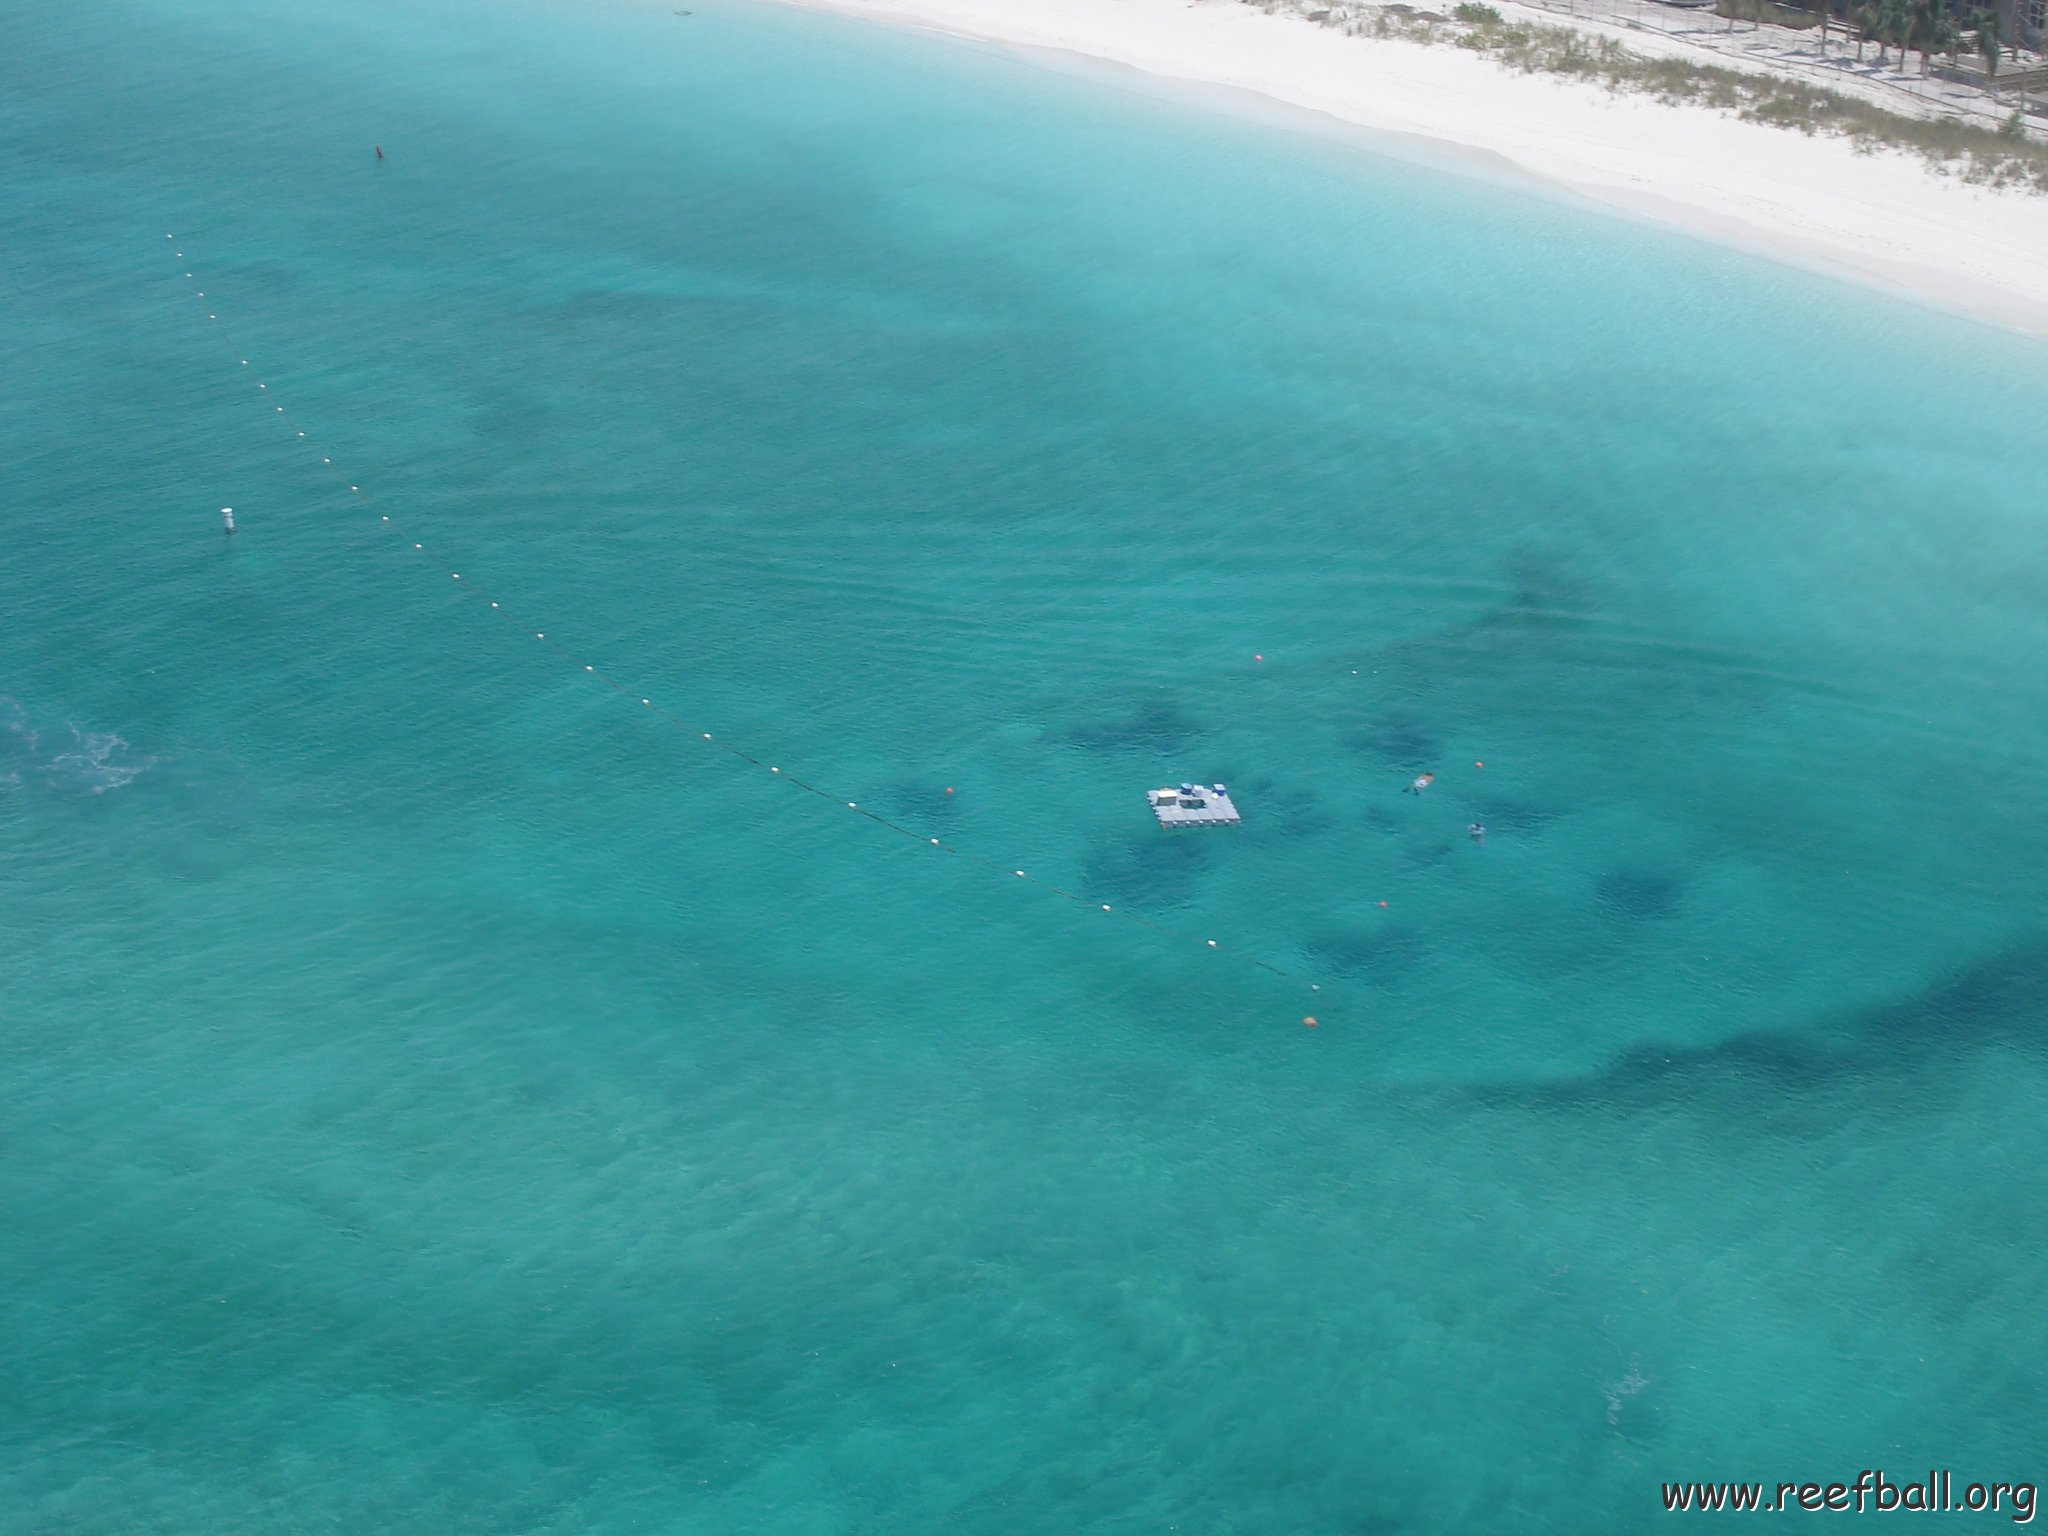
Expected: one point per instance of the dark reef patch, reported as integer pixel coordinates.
(512, 419)
(1380, 819)
(916, 803)
(1420, 856)
(1545, 586)
(1399, 738)
(1382, 955)
(1160, 869)
(1638, 895)
(636, 307)
(1155, 725)
(2000, 1001)
(1286, 810)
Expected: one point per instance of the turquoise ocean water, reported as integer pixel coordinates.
(439, 1097)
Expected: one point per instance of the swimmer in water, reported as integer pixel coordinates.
(1477, 831)
(1419, 785)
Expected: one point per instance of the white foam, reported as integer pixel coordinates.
(92, 762)
(97, 762)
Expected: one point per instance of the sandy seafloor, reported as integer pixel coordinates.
(440, 1097)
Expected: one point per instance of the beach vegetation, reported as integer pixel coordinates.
(1885, 21)
(1988, 40)
(1766, 12)
(2004, 156)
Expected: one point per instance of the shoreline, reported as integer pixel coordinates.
(1885, 220)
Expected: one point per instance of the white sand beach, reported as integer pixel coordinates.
(1883, 218)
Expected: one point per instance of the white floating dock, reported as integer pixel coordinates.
(1194, 805)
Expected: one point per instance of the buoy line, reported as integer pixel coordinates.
(646, 702)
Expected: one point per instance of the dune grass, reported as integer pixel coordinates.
(1987, 156)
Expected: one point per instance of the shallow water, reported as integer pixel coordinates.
(441, 1097)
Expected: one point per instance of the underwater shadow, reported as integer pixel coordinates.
(1155, 725)
(2000, 1001)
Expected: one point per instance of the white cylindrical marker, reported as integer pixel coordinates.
(227, 519)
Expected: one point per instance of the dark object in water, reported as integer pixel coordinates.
(1641, 895)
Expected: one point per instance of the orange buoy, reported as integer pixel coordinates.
(1479, 765)
(949, 789)
(1258, 658)
(1310, 1021)
(1383, 903)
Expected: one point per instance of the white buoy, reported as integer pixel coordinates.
(227, 519)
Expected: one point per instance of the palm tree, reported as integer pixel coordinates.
(1936, 41)
(1902, 29)
(1988, 41)
(1926, 26)
(1942, 33)
(1952, 34)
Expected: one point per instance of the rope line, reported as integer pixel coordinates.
(590, 670)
